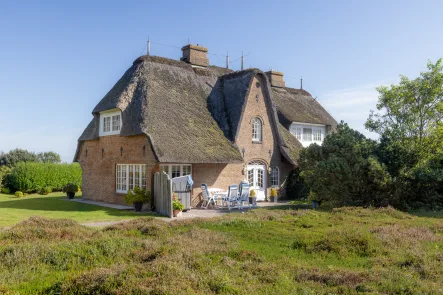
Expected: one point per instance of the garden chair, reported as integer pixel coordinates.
(232, 196)
(207, 197)
(244, 195)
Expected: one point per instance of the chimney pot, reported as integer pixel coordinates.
(195, 55)
(275, 78)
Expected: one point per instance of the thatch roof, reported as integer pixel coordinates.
(297, 105)
(191, 115)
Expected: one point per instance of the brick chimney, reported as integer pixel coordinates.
(195, 55)
(275, 78)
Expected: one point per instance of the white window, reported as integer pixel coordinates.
(317, 134)
(176, 170)
(110, 122)
(129, 176)
(275, 177)
(308, 133)
(256, 130)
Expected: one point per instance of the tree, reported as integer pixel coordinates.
(411, 113)
(13, 157)
(49, 157)
(345, 170)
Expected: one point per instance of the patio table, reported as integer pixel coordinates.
(218, 192)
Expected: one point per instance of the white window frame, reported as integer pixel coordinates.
(276, 177)
(111, 116)
(182, 170)
(297, 129)
(257, 129)
(140, 181)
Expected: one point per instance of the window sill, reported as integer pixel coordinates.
(257, 142)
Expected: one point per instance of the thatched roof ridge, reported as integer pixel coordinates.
(298, 105)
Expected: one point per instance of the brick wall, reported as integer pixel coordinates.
(99, 180)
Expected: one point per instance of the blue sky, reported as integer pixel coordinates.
(59, 58)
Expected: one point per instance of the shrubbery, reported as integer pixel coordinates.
(32, 177)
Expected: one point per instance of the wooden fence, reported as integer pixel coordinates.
(163, 194)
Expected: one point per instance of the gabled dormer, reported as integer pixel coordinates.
(110, 122)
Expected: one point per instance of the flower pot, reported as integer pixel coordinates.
(273, 199)
(175, 213)
(70, 195)
(138, 206)
(251, 200)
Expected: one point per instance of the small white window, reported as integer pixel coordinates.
(107, 124)
(176, 170)
(275, 176)
(130, 176)
(298, 133)
(317, 135)
(307, 134)
(110, 122)
(256, 130)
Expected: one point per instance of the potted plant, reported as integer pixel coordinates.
(274, 194)
(177, 206)
(252, 196)
(70, 189)
(138, 197)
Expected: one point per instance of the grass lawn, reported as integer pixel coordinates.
(265, 251)
(55, 205)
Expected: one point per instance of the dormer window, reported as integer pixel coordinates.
(110, 122)
(308, 133)
(256, 130)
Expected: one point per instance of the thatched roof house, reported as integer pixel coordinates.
(186, 112)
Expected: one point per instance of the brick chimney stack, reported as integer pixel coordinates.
(195, 55)
(275, 78)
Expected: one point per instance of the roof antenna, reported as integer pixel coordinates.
(242, 60)
(188, 41)
(149, 47)
(227, 60)
(301, 82)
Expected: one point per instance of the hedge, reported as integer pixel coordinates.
(32, 177)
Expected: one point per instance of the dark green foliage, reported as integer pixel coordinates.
(296, 189)
(70, 188)
(45, 190)
(344, 169)
(30, 177)
(13, 157)
(49, 157)
(4, 171)
(138, 196)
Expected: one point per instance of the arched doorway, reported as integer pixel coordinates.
(257, 178)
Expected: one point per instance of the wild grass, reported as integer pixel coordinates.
(346, 251)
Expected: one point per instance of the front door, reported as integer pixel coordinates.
(257, 179)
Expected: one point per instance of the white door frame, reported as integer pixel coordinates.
(257, 179)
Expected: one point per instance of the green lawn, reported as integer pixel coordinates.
(265, 251)
(55, 205)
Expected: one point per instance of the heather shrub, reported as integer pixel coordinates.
(30, 177)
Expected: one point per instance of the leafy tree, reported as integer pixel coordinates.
(4, 171)
(49, 157)
(411, 113)
(345, 170)
(13, 157)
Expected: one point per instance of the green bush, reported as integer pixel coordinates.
(70, 188)
(4, 172)
(296, 189)
(30, 177)
(18, 194)
(6, 190)
(45, 190)
(138, 196)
